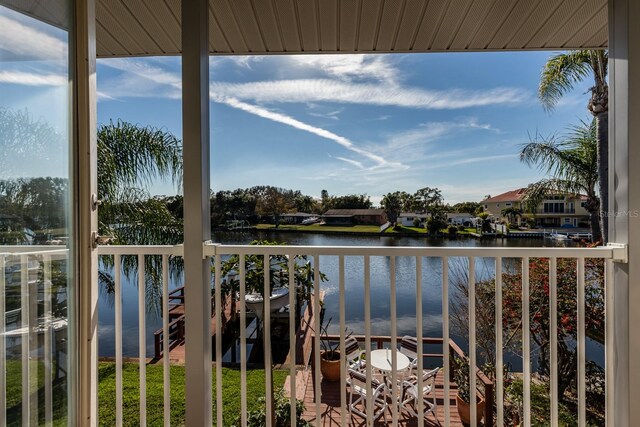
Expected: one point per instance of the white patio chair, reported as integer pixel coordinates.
(353, 354)
(410, 397)
(409, 347)
(358, 389)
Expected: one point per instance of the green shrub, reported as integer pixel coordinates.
(416, 222)
(282, 412)
(452, 230)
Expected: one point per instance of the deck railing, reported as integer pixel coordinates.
(30, 324)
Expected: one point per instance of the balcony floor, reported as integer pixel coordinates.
(331, 408)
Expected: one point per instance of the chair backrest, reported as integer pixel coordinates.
(429, 378)
(409, 347)
(352, 349)
(359, 379)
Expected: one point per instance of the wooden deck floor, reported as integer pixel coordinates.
(331, 408)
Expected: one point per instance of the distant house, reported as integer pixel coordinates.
(556, 210)
(460, 218)
(354, 217)
(295, 218)
(406, 218)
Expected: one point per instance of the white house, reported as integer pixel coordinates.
(407, 218)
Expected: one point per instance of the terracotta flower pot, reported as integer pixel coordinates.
(464, 409)
(330, 368)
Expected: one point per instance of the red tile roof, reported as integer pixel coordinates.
(514, 196)
(509, 196)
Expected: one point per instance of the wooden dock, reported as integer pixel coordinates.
(176, 331)
(331, 408)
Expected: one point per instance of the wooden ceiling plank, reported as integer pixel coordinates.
(514, 23)
(288, 24)
(226, 20)
(369, 17)
(349, 15)
(392, 12)
(576, 19)
(429, 25)
(471, 24)
(580, 38)
(269, 26)
(218, 42)
(243, 13)
(309, 28)
(328, 14)
(450, 24)
(410, 24)
(129, 44)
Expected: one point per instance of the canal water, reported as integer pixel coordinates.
(354, 288)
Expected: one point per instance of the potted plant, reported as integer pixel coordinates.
(329, 355)
(463, 398)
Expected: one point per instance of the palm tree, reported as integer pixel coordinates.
(130, 157)
(559, 75)
(573, 166)
(392, 205)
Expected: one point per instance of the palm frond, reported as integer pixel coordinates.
(560, 73)
(129, 154)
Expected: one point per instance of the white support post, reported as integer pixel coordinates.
(197, 224)
(83, 310)
(623, 363)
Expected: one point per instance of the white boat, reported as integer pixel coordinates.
(279, 298)
(310, 221)
(558, 236)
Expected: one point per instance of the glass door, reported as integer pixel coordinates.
(36, 232)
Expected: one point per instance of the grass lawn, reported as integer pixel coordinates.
(131, 406)
(320, 228)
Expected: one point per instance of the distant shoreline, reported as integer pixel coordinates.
(349, 231)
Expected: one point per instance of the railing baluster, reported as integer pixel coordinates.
(33, 341)
(553, 343)
(367, 334)
(24, 339)
(292, 337)
(117, 269)
(165, 341)
(445, 340)
(243, 342)
(394, 341)
(610, 351)
(3, 343)
(499, 359)
(526, 348)
(343, 367)
(142, 340)
(48, 413)
(316, 316)
(582, 416)
(219, 316)
(472, 341)
(419, 332)
(268, 379)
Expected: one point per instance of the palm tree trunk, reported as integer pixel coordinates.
(603, 173)
(596, 235)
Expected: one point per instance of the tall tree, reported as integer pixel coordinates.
(129, 158)
(392, 204)
(559, 75)
(573, 166)
(426, 198)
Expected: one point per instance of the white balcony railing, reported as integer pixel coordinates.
(317, 407)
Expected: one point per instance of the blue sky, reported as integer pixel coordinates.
(345, 123)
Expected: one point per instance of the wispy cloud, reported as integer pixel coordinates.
(32, 79)
(350, 67)
(430, 132)
(379, 161)
(355, 163)
(326, 90)
(27, 42)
